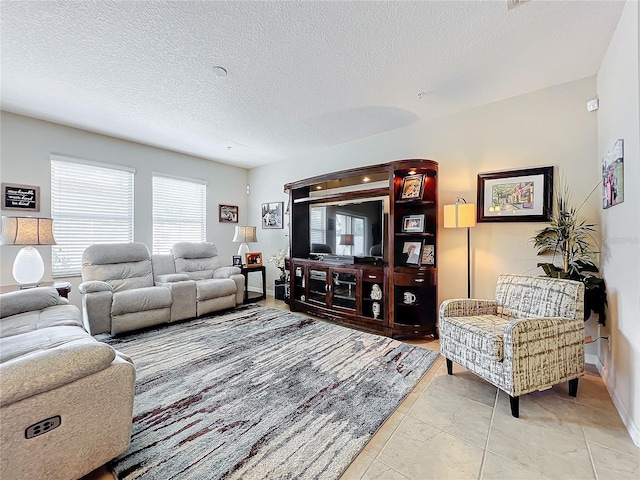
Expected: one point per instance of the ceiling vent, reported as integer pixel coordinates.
(511, 4)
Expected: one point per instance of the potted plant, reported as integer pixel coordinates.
(571, 239)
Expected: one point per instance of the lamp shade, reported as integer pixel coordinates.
(346, 239)
(460, 215)
(246, 234)
(27, 231)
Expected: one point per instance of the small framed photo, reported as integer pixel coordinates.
(428, 255)
(237, 261)
(412, 187)
(413, 223)
(411, 253)
(228, 213)
(20, 197)
(253, 259)
(272, 214)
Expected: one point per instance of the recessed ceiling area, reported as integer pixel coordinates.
(300, 76)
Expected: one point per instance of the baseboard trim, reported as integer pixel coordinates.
(625, 415)
(594, 360)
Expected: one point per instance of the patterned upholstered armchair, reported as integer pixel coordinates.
(529, 338)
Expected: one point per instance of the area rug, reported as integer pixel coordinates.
(260, 394)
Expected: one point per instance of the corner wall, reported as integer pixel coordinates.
(619, 117)
(27, 143)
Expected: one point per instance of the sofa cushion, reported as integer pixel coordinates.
(140, 299)
(215, 288)
(196, 259)
(26, 300)
(122, 265)
(45, 359)
(58, 315)
(481, 333)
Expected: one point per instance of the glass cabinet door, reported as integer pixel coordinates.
(343, 289)
(318, 285)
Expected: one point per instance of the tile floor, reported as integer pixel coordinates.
(460, 427)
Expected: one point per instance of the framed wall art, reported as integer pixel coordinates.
(272, 214)
(228, 213)
(613, 175)
(25, 198)
(516, 195)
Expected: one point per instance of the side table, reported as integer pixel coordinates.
(252, 296)
(63, 287)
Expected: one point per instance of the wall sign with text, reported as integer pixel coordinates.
(20, 197)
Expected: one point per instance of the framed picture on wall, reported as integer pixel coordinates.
(272, 214)
(25, 198)
(228, 213)
(516, 195)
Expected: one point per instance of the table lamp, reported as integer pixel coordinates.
(28, 267)
(462, 215)
(244, 235)
(347, 239)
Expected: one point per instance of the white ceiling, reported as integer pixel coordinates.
(301, 75)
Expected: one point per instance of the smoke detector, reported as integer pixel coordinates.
(511, 4)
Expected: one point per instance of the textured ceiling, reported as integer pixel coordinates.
(301, 75)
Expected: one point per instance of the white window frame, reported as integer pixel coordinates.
(91, 202)
(182, 220)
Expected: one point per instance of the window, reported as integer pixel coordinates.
(179, 212)
(318, 224)
(90, 203)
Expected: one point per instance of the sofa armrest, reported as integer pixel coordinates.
(171, 278)
(94, 286)
(465, 307)
(60, 355)
(226, 272)
(543, 351)
(27, 300)
(96, 311)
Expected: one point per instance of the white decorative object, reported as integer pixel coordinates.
(409, 298)
(375, 308)
(376, 292)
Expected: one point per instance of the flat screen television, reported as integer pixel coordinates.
(353, 228)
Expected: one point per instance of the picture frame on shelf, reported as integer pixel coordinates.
(413, 224)
(412, 253)
(253, 259)
(272, 215)
(25, 198)
(412, 187)
(524, 195)
(227, 213)
(428, 256)
(237, 261)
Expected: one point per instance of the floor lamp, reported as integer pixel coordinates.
(462, 215)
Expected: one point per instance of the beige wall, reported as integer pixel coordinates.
(547, 127)
(27, 144)
(618, 117)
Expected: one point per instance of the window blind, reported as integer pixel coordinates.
(318, 222)
(90, 203)
(179, 212)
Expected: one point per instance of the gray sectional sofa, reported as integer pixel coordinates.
(66, 400)
(125, 288)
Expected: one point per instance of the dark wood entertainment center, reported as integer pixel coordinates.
(343, 287)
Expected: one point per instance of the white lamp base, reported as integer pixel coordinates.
(244, 248)
(28, 267)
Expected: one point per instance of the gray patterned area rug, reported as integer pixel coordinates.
(260, 394)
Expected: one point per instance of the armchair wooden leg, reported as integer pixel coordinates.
(573, 387)
(449, 366)
(515, 406)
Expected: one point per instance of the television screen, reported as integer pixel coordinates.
(354, 228)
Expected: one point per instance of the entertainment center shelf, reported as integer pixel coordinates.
(363, 246)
